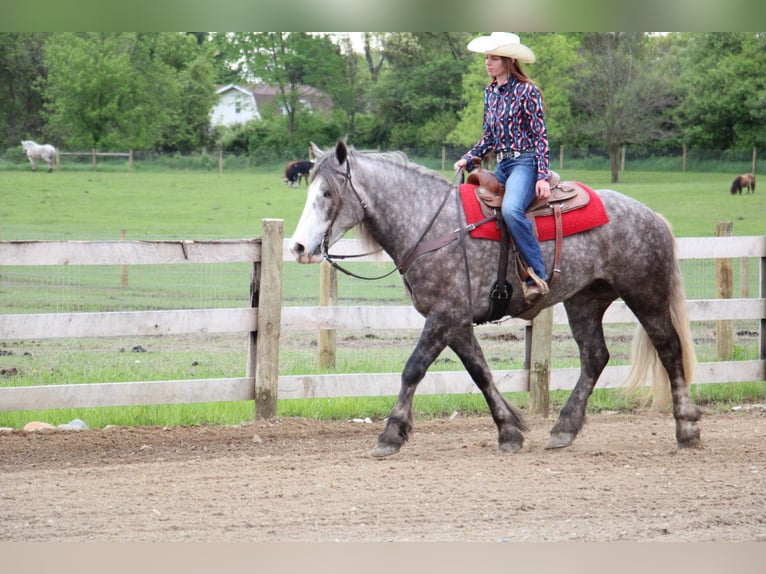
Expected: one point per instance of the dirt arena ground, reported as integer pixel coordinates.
(311, 481)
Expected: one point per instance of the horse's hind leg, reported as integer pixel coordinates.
(508, 420)
(585, 311)
(667, 342)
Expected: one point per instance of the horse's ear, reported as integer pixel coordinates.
(315, 150)
(341, 152)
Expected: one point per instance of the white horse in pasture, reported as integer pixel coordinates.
(35, 151)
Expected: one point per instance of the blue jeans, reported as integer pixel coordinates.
(520, 176)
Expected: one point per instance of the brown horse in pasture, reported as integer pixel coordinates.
(741, 181)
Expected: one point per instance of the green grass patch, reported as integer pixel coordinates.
(189, 199)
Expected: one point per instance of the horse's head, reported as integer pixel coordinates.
(25, 145)
(332, 207)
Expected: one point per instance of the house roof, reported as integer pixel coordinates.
(265, 94)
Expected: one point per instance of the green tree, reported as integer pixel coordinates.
(619, 97)
(724, 82)
(21, 72)
(289, 62)
(191, 96)
(127, 90)
(418, 95)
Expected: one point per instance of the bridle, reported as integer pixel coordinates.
(331, 258)
(421, 247)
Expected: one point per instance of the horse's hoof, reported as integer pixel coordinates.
(559, 440)
(687, 434)
(688, 437)
(509, 447)
(384, 450)
(692, 443)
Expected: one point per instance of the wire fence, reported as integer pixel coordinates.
(632, 158)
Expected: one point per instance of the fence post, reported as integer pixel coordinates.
(540, 362)
(123, 268)
(723, 272)
(754, 156)
(130, 161)
(762, 295)
(263, 344)
(328, 297)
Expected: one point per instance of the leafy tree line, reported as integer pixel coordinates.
(154, 91)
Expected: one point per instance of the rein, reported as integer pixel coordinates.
(421, 247)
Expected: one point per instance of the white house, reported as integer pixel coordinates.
(238, 104)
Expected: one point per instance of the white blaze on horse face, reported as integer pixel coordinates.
(313, 224)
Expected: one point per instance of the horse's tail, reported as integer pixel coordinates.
(644, 358)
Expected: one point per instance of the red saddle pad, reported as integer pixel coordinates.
(575, 221)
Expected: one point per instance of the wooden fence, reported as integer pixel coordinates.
(405, 317)
(260, 322)
(93, 154)
(265, 319)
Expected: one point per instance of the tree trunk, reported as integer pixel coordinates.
(614, 162)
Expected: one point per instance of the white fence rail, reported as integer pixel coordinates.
(260, 322)
(266, 319)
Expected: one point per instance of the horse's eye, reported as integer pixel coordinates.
(327, 195)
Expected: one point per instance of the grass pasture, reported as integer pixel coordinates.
(178, 204)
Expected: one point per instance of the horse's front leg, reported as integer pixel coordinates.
(508, 420)
(431, 343)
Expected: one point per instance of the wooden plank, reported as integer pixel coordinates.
(343, 247)
(406, 317)
(688, 248)
(717, 247)
(351, 317)
(325, 386)
(512, 381)
(128, 252)
(127, 323)
(125, 394)
(387, 384)
(328, 297)
(699, 310)
(540, 363)
(269, 320)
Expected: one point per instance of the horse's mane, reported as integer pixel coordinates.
(398, 159)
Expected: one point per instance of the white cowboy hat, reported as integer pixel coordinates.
(502, 44)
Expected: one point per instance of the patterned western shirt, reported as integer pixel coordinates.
(514, 120)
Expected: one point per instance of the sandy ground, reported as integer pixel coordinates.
(311, 481)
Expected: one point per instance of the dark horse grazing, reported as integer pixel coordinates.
(746, 180)
(399, 205)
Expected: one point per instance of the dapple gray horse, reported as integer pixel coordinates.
(34, 151)
(399, 205)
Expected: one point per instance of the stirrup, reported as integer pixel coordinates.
(532, 292)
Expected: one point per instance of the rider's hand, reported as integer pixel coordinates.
(542, 189)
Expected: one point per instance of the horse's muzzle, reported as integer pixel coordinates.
(302, 256)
